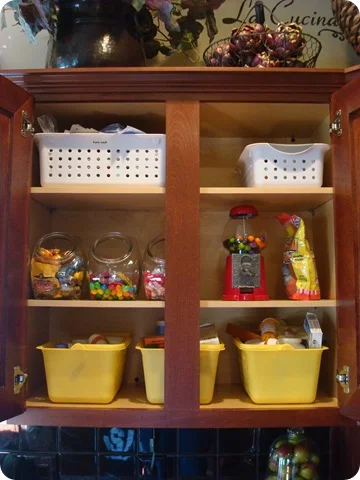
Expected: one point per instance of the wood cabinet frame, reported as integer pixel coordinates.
(183, 90)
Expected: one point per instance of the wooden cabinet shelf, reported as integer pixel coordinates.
(268, 304)
(94, 304)
(266, 199)
(100, 198)
(231, 408)
(225, 396)
(153, 198)
(159, 304)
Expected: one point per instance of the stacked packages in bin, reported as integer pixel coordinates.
(280, 368)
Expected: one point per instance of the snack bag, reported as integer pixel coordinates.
(299, 268)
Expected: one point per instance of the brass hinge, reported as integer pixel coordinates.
(343, 377)
(26, 125)
(19, 379)
(335, 125)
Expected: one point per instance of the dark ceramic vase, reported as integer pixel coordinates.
(96, 33)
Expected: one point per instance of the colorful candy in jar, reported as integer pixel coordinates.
(57, 273)
(154, 284)
(154, 269)
(113, 267)
(112, 286)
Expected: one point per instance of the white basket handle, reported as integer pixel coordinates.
(307, 147)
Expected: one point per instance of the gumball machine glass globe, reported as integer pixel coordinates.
(239, 236)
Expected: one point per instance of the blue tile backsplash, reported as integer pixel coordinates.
(64, 453)
(77, 440)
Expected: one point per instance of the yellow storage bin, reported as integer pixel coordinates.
(84, 373)
(153, 364)
(279, 373)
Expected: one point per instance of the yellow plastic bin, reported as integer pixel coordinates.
(153, 364)
(84, 373)
(279, 373)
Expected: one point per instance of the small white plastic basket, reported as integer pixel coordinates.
(101, 159)
(270, 165)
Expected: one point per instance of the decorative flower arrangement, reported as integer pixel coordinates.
(255, 44)
(166, 26)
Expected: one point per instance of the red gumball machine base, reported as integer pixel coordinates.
(244, 293)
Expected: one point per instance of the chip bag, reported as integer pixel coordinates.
(299, 268)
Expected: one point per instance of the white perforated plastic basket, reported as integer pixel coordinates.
(101, 159)
(270, 164)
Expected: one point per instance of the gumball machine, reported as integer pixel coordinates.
(245, 269)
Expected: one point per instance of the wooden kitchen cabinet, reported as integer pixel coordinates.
(208, 115)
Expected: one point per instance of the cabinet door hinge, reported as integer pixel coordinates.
(335, 125)
(26, 125)
(343, 377)
(20, 378)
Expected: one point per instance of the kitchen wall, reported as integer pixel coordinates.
(49, 453)
(314, 15)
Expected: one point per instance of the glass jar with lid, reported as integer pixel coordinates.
(293, 456)
(57, 267)
(113, 267)
(154, 269)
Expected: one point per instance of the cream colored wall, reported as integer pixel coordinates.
(15, 52)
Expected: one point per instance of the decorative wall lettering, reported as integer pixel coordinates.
(280, 12)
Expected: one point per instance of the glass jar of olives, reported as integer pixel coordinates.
(57, 267)
(293, 456)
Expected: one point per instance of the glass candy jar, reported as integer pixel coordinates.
(113, 268)
(57, 267)
(154, 269)
(293, 456)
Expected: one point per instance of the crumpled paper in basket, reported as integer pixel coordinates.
(113, 128)
(48, 124)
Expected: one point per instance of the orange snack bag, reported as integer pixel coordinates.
(299, 268)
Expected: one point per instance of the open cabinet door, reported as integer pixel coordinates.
(15, 179)
(345, 118)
